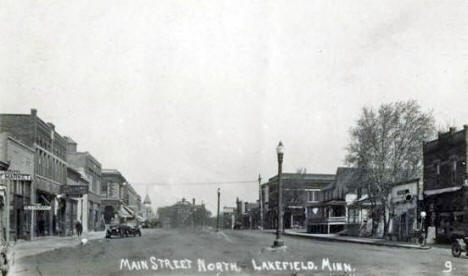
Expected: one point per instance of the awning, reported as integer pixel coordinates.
(316, 204)
(441, 191)
(46, 201)
(124, 213)
(129, 210)
(336, 202)
(140, 218)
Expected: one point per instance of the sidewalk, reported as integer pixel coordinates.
(39, 245)
(361, 240)
(23, 248)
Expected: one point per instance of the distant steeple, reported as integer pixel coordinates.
(147, 200)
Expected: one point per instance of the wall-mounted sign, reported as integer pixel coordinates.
(37, 207)
(14, 175)
(74, 190)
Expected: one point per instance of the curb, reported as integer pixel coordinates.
(356, 241)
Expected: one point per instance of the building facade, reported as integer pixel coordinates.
(50, 166)
(76, 201)
(134, 199)
(114, 196)
(406, 202)
(16, 182)
(183, 214)
(329, 213)
(299, 189)
(445, 183)
(90, 168)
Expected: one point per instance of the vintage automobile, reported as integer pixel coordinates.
(123, 230)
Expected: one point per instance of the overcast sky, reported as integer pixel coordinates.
(171, 92)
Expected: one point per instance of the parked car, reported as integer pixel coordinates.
(123, 230)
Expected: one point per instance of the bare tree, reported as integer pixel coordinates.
(387, 145)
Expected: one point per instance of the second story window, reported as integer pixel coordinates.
(453, 171)
(312, 196)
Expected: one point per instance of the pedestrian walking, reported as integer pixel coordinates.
(79, 228)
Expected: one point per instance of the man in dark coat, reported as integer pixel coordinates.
(79, 228)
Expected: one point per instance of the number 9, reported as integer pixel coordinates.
(448, 265)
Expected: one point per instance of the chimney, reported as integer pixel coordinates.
(33, 112)
(193, 201)
(71, 145)
(52, 126)
(452, 130)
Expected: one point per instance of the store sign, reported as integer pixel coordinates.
(74, 190)
(37, 207)
(228, 209)
(14, 175)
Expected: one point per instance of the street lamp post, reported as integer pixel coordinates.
(260, 199)
(278, 242)
(217, 217)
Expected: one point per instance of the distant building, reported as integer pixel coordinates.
(183, 214)
(114, 196)
(247, 214)
(147, 209)
(299, 189)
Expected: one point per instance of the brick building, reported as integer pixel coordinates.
(90, 169)
(445, 182)
(50, 166)
(183, 214)
(298, 190)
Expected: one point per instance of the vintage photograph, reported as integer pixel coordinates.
(217, 137)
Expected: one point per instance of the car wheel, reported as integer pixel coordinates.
(139, 233)
(456, 249)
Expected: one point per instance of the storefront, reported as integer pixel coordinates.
(45, 221)
(75, 201)
(94, 212)
(110, 207)
(16, 193)
(404, 213)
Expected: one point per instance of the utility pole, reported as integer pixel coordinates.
(260, 199)
(217, 217)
